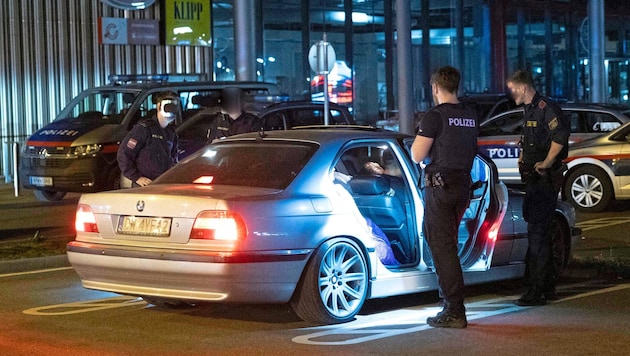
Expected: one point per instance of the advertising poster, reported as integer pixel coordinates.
(188, 23)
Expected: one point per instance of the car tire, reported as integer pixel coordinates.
(334, 285)
(47, 195)
(589, 190)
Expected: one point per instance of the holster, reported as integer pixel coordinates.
(527, 172)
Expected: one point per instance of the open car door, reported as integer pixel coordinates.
(480, 224)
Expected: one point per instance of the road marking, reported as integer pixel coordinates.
(87, 306)
(34, 272)
(405, 321)
(602, 222)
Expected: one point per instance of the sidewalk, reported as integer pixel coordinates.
(24, 218)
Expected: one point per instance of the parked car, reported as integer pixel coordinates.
(500, 136)
(294, 216)
(488, 104)
(77, 151)
(193, 132)
(599, 171)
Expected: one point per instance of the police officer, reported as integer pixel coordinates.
(150, 148)
(544, 145)
(447, 137)
(233, 119)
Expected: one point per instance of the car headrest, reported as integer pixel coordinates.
(369, 185)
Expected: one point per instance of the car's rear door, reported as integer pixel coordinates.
(480, 224)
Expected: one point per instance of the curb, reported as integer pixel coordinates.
(32, 264)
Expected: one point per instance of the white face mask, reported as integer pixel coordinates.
(169, 108)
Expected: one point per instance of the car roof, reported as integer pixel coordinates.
(304, 103)
(605, 108)
(324, 134)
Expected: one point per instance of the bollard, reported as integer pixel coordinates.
(6, 159)
(16, 157)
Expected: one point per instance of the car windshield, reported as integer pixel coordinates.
(108, 106)
(253, 164)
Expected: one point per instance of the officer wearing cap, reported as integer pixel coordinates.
(544, 145)
(233, 119)
(448, 138)
(150, 148)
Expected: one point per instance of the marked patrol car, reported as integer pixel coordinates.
(76, 152)
(500, 135)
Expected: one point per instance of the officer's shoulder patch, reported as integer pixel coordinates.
(553, 124)
(542, 104)
(131, 144)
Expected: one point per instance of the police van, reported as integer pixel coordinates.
(76, 152)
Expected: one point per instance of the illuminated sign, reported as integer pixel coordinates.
(340, 89)
(188, 23)
(113, 30)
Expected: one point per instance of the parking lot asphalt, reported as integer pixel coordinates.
(22, 216)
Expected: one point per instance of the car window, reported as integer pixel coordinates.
(265, 165)
(601, 122)
(105, 106)
(508, 124)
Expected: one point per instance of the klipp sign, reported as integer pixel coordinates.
(188, 22)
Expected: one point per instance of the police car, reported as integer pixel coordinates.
(599, 171)
(500, 136)
(77, 151)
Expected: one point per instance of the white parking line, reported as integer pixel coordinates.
(602, 222)
(34, 272)
(399, 322)
(86, 306)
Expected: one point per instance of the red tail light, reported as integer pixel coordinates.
(218, 225)
(85, 219)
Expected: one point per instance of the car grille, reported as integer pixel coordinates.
(50, 157)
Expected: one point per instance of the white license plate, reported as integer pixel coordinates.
(41, 181)
(146, 226)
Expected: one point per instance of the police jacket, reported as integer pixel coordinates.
(544, 122)
(454, 129)
(148, 150)
(224, 126)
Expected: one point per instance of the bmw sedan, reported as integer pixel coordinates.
(323, 218)
(599, 171)
(499, 136)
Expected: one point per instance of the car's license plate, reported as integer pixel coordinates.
(141, 225)
(41, 181)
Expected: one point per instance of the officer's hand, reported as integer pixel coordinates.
(540, 167)
(143, 181)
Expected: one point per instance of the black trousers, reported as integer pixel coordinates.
(443, 211)
(538, 208)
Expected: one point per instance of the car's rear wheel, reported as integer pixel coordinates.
(334, 285)
(48, 195)
(589, 190)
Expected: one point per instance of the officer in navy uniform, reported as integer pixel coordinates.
(447, 137)
(150, 148)
(544, 145)
(233, 119)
